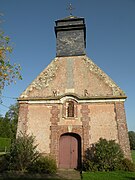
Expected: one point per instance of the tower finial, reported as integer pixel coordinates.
(70, 9)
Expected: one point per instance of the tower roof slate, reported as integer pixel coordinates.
(70, 18)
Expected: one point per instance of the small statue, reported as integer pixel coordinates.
(86, 92)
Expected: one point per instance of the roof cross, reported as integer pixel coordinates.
(70, 9)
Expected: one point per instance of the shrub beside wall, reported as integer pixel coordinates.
(44, 165)
(106, 156)
(25, 158)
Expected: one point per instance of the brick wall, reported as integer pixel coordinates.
(92, 121)
(39, 126)
(22, 118)
(103, 123)
(122, 129)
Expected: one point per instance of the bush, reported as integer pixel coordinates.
(43, 165)
(24, 157)
(23, 153)
(89, 165)
(131, 135)
(127, 165)
(4, 162)
(103, 156)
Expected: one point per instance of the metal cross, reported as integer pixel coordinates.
(70, 9)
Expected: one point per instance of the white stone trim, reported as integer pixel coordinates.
(62, 100)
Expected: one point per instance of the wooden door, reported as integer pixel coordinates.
(68, 154)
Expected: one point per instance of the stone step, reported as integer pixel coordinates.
(69, 174)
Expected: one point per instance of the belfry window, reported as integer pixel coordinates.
(70, 109)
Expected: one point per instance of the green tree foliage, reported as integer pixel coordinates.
(103, 156)
(23, 153)
(5, 130)
(8, 124)
(12, 116)
(8, 72)
(132, 139)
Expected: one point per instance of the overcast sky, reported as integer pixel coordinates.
(110, 40)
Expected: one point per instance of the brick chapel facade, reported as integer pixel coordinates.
(72, 102)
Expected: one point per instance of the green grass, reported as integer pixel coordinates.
(109, 176)
(5, 144)
(133, 155)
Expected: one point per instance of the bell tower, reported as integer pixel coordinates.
(70, 36)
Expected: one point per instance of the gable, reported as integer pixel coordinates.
(104, 82)
(76, 75)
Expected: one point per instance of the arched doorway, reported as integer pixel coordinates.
(70, 151)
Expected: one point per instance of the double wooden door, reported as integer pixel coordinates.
(68, 152)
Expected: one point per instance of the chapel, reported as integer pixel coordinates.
(72, 102)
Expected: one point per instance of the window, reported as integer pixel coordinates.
(70, 109)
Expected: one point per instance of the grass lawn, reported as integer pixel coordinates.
(109, 176)
(5, 144)
(133, 155)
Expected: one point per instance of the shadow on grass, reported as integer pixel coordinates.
(130, 178)
(26, 176)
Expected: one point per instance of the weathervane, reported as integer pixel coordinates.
(70, 9)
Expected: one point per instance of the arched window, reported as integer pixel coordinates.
(70, 109)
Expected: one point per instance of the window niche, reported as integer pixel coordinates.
(70, 109)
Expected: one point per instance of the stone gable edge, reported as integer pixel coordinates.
(44, 77)
(117, 91)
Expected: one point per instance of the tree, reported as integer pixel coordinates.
(4, 127)
(8, 71)
(8, 124)
(23, 153)
(132, 139)
(12, 113)
(12, 116)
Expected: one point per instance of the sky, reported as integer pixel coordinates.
(110, 41)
